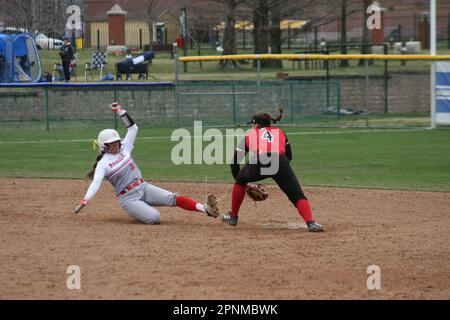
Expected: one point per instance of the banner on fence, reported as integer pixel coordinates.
(443, 93)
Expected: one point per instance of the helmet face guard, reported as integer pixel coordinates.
(107, 136)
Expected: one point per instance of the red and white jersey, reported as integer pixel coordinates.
(265, 140)
(118, 168)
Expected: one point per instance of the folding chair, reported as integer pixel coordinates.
(99, 62)
(73, 69)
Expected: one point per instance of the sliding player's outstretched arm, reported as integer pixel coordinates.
(93, 188)
(132, 127)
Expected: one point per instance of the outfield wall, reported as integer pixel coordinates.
(80, 103)
(217, 103)
(407, 92)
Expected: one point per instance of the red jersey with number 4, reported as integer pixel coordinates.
(267, 139)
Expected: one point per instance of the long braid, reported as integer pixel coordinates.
(90, 174)
(278, 118)
(270, 118)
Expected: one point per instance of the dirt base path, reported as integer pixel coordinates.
(191, 256)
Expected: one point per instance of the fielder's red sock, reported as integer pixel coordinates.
(237, 198)
(304, 209)
(186, 203)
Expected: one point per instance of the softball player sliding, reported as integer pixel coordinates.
(267, 141)
(137, 197)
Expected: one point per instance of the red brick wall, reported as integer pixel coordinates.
(116, 29)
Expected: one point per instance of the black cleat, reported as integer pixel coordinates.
(314, 226)
(228, 218)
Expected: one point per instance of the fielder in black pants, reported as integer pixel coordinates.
(267, 142)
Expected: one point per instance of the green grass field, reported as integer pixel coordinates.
(392, 159)
(388, 159)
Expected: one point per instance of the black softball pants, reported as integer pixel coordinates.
(285, 178)
(66, 68)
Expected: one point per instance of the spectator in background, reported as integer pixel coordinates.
(67, 56)
(47, 77)
(128, 54)
(323, 44)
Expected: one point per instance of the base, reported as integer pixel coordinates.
(283, 225)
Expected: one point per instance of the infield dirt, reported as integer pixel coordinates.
(192, 256)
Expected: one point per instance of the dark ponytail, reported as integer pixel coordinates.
(278, 118)
(266, 118)
(90, 174)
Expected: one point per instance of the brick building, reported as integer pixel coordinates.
(402, 19)
(165, 24)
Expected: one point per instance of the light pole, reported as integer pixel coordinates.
(433, 64)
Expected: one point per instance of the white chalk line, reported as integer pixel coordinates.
(205, 136)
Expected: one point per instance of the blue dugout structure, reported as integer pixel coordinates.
(19, 59)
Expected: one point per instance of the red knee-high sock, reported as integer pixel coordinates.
(186, 203)
(237, 198)
(304, 209)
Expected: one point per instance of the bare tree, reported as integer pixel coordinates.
(37, 15)
(20, 13)
(150, 10)
(269, 33)
(344, 63)
(266, 17)
(365, 48)
(229, 36)
(207, 13)
(316, 13)
(150, 17)
(275, 33)
(347, 8)
(196, 35)
(261, 36)
(201, 16)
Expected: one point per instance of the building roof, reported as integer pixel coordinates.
(95, 10)
(166, 13)
(247, 25)
(116, 9)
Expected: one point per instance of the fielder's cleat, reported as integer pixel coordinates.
(314, 226)
(211, 206)
(228, 218)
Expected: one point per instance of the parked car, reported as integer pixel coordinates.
(12, 30)
(44, 42)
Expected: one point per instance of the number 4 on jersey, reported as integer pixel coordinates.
(267, 136)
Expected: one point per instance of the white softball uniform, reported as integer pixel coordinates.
(136, 197)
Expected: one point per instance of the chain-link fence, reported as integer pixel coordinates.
(224, 103)
(78, 106)
(345, 102)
